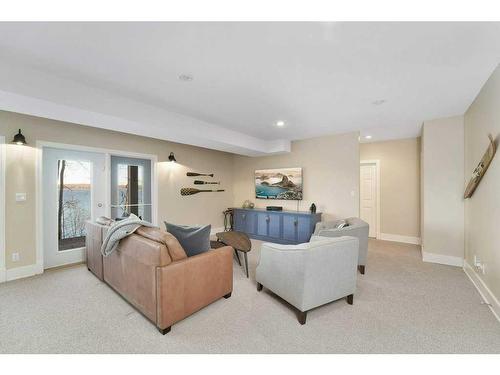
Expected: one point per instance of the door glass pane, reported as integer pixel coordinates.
(74, 198)
(130, 190)
(130, 187)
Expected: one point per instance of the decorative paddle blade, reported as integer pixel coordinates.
(198, 182)
(481, 168)
(193, 174)
(192, 191)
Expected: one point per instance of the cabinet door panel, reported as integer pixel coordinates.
(290, 228)
(303, 229)
(274, 225)
(262, 224)
(239, 222)
(249, 222)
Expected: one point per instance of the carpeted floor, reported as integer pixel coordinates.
(402, 305)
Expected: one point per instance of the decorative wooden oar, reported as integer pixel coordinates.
(198, 182)
(481, 168)
(193, 174)
(192, 191)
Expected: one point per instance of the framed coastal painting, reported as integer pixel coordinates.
(282, 183)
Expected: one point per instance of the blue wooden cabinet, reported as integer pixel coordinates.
(285, 227)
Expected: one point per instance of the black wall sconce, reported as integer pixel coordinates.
(19, 139)
(171, 157)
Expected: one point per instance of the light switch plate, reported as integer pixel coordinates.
(20, 197)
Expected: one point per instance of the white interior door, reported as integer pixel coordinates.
(74, 191)
(368, 196)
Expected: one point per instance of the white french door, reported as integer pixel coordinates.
(369, 195)
(74, 191)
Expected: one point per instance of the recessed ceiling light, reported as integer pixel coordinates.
(379, 102)
(185, 77)
(280, 123)
(368, 137)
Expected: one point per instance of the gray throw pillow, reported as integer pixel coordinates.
(194, 240)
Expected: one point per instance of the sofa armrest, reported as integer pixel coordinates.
(188, 285)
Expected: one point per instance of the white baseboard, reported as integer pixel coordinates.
(448, 260)
(486, 294)
(399, 238)
(2, 275)
(22, 272)
(216, 230)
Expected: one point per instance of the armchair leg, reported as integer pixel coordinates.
(164, 331)
(259, 287)
(361, 269)
(350, 299)
(302, 316)
(227, 296)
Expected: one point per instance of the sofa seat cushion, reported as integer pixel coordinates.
(174, 247)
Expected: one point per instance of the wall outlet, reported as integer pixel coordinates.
(15, 257)
(480, 266)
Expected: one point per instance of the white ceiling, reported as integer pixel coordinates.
(320, 78)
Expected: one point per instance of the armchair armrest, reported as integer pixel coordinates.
(281, 268)
(186, 286)
(310, 274)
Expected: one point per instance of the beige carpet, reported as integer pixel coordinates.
(402, 305)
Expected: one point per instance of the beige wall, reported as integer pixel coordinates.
(442, 190)
(482, 210)
(330, 175)
(20, 176)
(399, 184)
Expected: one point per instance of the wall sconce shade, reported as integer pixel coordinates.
(19, 139)
(171, 157)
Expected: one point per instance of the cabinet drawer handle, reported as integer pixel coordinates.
(268, 219)
(244, 216)
(295, 222)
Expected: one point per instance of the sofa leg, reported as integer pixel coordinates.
(361, 269)
(227, 295)
(164, 331)
(350, 299)
(302, 316)
(259, 287)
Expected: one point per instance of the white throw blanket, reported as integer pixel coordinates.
(119, 230)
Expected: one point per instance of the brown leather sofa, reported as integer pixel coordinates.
(151, 271)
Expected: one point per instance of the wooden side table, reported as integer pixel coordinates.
(239, 241)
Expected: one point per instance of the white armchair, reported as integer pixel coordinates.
(311, 274)
(356, 228)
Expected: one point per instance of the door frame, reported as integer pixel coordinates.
(375, 162)
(40, 145)
(3, 166)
